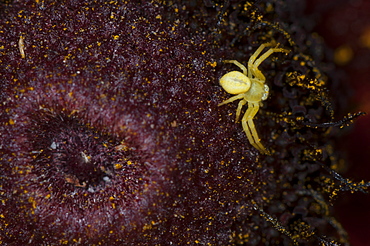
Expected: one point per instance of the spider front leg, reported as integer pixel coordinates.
(241, 66)
(254, 63)
(250, 129)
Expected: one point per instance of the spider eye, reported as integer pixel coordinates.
(235, 82)
(266, 92)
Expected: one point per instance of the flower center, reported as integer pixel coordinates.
(78, 156)
(83, 157)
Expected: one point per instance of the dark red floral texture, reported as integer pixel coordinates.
(111, 132)
(345, 26)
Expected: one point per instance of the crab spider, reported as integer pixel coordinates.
(250, 87)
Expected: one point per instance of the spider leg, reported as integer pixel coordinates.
(254, 66)
(231, 99)
(239, 109)
(250, 129)
(256, 54)
(241, 66)
(240, 105)
(254, 57)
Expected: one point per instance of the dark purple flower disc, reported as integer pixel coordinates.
(111, 133)
(110, 130)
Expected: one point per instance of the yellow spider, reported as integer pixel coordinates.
(250, 87)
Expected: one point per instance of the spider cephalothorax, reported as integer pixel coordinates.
(250, 87)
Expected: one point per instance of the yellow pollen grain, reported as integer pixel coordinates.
(212, 64)
(21, 47)
(117, 166)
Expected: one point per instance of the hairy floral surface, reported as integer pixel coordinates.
(111, 133)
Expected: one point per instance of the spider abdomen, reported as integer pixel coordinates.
(235, 82)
